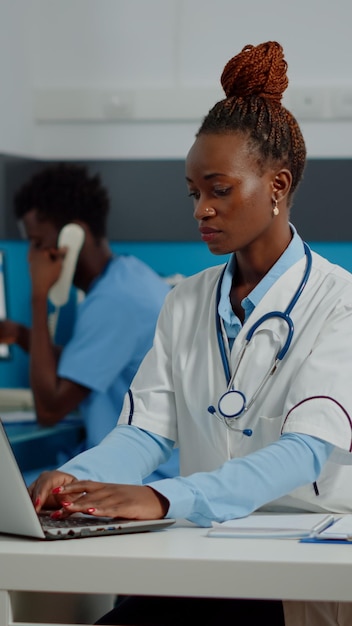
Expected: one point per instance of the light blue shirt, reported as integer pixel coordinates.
(239, 486)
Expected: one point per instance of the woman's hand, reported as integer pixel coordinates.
(46, 489)
(108, 500)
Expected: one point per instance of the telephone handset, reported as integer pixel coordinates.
(72, 238)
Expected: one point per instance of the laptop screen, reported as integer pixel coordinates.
(18, 515)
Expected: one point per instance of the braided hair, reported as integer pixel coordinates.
(254, 82)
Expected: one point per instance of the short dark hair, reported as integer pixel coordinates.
(63, 193)
(254, 82)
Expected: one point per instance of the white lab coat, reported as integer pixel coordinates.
(310, 393)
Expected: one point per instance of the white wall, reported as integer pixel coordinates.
(91, 48)
(16, 78)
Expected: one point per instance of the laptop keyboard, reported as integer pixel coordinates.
(74, 522)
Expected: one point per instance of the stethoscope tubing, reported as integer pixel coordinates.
(284, 315)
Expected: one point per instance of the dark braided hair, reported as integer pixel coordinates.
(254, 82)
(65, 192)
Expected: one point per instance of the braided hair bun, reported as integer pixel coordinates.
(254, 82)
(256, 71)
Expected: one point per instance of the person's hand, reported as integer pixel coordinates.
(110, 500)
(45, 268)
(12, 332)
(9, 332)
(45, 489)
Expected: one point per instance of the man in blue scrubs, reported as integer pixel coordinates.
(115, 321)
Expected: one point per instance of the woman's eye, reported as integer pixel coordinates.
(193, 194)
(222, 191)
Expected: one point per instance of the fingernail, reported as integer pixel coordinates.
(57, 490)
(56, 514)
(37, 502)
(66, 503)
(91, 510)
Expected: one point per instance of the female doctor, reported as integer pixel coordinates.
(251, 366)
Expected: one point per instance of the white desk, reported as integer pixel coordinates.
(176, 561)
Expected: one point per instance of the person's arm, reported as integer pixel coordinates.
(126, 455)
(242, 485)
(236, 489)
(54, 396)
(70, 393)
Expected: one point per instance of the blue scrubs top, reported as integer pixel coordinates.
(113, 331)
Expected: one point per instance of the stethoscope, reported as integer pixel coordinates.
(233, 403)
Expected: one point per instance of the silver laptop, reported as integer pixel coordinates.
(19, 517)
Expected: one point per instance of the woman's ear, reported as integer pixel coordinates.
(282, 184)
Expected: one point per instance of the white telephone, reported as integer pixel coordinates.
(72, 238)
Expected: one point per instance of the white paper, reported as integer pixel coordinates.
(16, 399)
(276, 525)
(18, 417)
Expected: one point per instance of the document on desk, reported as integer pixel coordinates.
(18, 417)
(339, 531)
(273, 526)
(16, 399)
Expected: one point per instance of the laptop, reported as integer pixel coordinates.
(19, 517)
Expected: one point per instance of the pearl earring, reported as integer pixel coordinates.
(276, 209)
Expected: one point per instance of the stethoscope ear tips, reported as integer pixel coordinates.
(211, 409)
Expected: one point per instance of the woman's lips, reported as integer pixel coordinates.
(208, 234)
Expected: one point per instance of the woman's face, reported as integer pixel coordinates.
(233, 197)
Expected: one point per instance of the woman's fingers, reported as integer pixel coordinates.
(108, 500)
(80, 487)
(45, 489)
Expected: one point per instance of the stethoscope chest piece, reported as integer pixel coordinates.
(232, 403)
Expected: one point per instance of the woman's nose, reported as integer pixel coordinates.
(202, 211)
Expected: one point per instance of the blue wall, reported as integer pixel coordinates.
(337, 252)
(14, 371)
(166, 258)
(190, 257)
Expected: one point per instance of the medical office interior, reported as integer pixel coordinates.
(122, 86)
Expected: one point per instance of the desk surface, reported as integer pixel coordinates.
(180, 560)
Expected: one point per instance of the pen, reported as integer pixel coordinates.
(324, 523)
